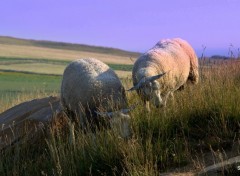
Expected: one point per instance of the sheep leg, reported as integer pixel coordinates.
(79, 118)
(165, 98)
(82, 119)
(173, 99)
(147, 106)
(172, 96)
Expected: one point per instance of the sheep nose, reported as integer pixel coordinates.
(159, 105)
(129, 136)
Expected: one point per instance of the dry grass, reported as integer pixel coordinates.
(58, 54)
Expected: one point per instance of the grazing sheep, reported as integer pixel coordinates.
(91, 89)
(172, 60)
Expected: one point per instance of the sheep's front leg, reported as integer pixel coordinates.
(147, 106)
(172, 96)
(165, 98)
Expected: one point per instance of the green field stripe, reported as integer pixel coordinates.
(15, 60)
(121, 67)
(28, 72)
(13, 84)
(32, 60)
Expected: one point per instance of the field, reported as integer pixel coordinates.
(27, 66)
(15, 85)
(198, 128)
(52, 57)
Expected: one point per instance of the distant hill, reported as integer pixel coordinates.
(220, 57)
(67, 46)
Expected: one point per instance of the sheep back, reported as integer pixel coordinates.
(173, 56)
(91, 84)
(193, 74)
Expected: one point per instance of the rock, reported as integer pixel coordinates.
(27, 119)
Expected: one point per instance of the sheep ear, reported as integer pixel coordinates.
(125, 111)
(138, 85)
(153, 78)
(104, 114)
(133, 88)
(110, 114)
(145, 80)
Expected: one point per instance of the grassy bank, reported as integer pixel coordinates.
(202, 118)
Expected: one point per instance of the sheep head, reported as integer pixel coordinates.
(149, 88)
(119, 121)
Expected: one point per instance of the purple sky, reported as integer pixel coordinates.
(134, 25)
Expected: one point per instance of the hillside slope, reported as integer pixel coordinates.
(66, 46)
(47, 57)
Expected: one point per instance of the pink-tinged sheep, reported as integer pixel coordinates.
(165, 68)
(91, 90)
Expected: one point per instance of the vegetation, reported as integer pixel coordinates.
(18, 87)
(202, 118)
(48, 66)
(67, 46)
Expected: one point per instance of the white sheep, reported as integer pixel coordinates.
(172, 60)
(91, 89)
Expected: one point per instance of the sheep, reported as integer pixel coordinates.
(172, 60)
(91, 90)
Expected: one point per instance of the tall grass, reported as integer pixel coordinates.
(200, 118)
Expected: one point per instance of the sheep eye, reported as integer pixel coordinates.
(149, 85)
(155, 86)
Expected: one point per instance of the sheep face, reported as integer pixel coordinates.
(150, 89)
(120, 123)
(151, 92)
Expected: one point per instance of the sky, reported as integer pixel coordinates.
(212, 27)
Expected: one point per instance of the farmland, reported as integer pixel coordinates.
(46, 57)
(201, 121)
(27, 66)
